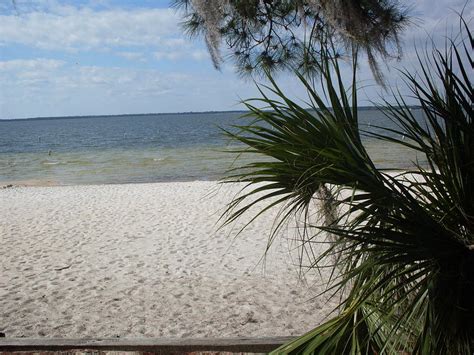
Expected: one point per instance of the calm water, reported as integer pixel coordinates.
(120, 149)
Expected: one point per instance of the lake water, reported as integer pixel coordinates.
(141, 148)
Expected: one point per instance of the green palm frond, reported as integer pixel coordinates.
(401, 243)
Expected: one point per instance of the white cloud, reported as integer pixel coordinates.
(170, 55)
(174, 55)
(23, 65)
(132, 55)
(44, 87)
(175, 42)
(83, 29)
(200, 55)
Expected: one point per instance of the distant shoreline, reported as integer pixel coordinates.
(121, 115)
(43, 118)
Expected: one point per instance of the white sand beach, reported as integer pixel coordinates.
(143, 260)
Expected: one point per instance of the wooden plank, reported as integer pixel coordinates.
(155, 345)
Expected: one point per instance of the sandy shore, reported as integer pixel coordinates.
(143, 260)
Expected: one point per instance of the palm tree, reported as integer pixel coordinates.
(401, 243)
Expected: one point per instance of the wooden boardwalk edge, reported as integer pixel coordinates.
(157, 345)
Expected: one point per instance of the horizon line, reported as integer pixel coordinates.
(39, 118)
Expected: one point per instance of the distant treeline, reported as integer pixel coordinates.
(361, 108)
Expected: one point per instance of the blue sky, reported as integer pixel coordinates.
(86, 57)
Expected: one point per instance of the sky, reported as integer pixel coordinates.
(103, 57)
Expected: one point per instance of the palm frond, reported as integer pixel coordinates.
(401, 243)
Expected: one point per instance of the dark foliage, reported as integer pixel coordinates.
(266, 35)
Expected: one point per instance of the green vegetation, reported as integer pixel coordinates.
(265, 35)
(400, 245)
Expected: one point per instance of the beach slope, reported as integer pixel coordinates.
(144, 260)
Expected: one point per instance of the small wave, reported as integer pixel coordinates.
(79, 162)
(149, 161)
(163, 159)
(48, 162)
(154, 162)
